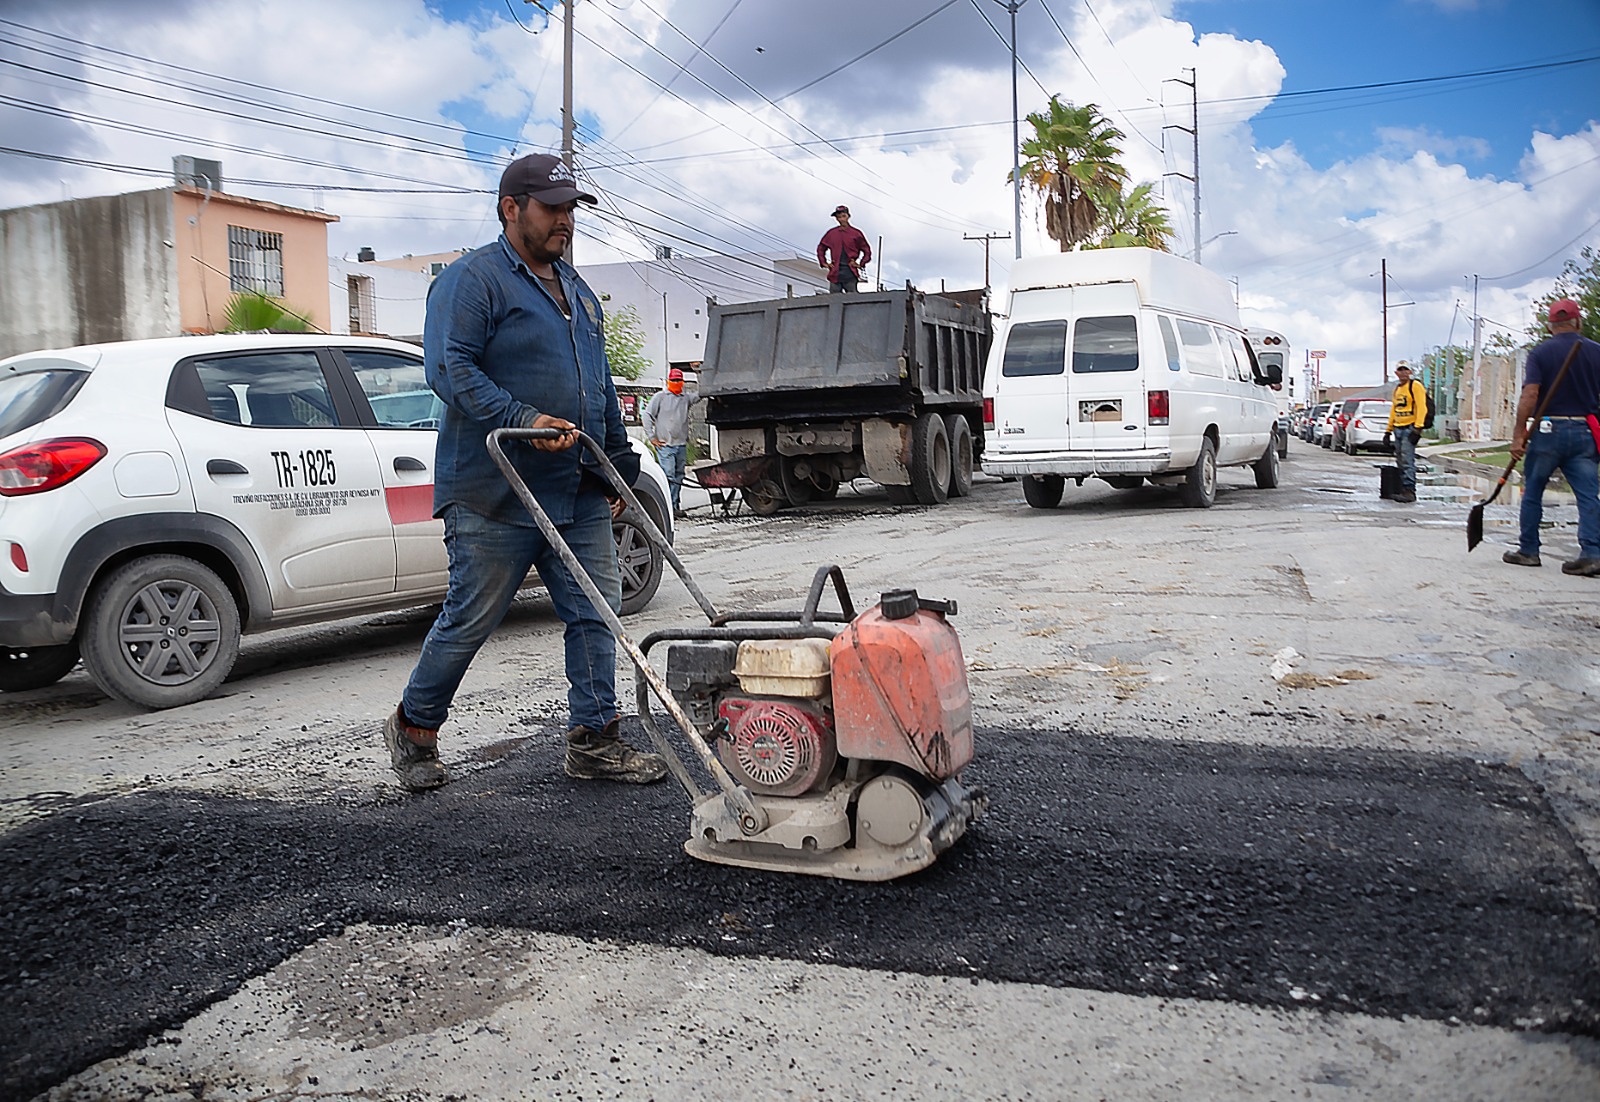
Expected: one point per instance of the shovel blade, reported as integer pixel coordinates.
(1475, 525)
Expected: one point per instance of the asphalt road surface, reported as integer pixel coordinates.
(1372, 876)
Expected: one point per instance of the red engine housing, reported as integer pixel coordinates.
(776, 746)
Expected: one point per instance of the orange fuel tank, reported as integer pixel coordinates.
(900, 688)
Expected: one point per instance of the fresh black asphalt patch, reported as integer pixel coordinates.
(1389, 883)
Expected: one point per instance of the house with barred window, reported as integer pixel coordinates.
(154, 264)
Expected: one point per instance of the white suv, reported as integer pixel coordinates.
(159, 497)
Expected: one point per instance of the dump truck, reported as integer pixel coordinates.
(806, 394)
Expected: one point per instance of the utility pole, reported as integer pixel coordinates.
(1016, 136)
(566, 113)
(1477, 348)
(985, 238)
(1194, 132)
(1383, 270)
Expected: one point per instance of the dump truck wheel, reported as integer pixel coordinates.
(960, 434)
(930, 460)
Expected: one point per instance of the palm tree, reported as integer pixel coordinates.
(1132, 218)
(1069, 160)
(254, 312)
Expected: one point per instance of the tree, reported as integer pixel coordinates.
(1132, 218)
(625, 343)
(1580, 281)
(1070, 160)
(254, 312)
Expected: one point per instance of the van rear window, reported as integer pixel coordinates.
(1036, 348)
(1105, 344)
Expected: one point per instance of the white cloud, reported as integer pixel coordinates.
(1305, 245)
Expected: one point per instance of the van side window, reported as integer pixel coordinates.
(1200, 349)
(1105, 344)
(1233, 353)
(1036, 348)
(1169, 341)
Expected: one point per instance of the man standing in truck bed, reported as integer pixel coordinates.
(843, 251)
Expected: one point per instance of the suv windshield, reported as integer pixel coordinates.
(28, 397)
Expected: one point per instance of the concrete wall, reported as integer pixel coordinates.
(399, 298)
(87, 271)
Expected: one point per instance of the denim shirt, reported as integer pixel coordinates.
(498, 353)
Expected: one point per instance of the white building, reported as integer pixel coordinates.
(669, 294)
(375, 300)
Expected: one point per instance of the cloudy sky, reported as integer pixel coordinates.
(1452, 138)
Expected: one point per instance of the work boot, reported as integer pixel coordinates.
(603, 756)
(1584, 568)
(414, 754)
(1517, 558)
(1405, 497)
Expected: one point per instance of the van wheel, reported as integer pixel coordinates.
(160, 632)
(1266, 469)
(1200, 484)
(1043, 491)
(1283, 445)
(930, 460)
(960, 434)
(24, 668)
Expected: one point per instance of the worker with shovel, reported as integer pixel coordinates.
(1566, 437)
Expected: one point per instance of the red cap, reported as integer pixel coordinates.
(674, 374)
(1564, 310)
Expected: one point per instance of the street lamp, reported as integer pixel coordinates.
(1016, 137)
(1195, 256)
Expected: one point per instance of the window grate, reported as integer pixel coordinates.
(255, 261)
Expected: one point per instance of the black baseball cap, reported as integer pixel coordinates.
(544, 177)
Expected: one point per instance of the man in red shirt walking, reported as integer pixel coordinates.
(843, 251)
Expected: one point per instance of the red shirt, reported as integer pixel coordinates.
(846, 243)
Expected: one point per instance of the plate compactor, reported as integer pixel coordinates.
(834, 741)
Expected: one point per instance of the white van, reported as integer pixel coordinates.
(1126, 365)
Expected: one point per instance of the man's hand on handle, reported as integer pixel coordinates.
(568, 437)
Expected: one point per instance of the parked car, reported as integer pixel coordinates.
(1325, 425)
(1342, 414)
(158, 498)
(1365, 430)
(1311, 427)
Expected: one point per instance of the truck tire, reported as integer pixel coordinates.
(930, 460)
(960, 434)
(1043, 491)
(160, 631)
(1199, 488)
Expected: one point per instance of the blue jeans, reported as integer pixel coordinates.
(1569, 448)
(488, 562)
(1405, 457)
(673, 459)
(848, 282)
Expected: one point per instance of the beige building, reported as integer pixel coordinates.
(153, 264)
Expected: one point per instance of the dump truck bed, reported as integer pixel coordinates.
(874, 354)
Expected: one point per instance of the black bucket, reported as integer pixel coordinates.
(1388, 481)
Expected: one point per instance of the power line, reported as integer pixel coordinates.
(868, 52)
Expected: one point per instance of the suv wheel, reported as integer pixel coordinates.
(24, 668)
(639, 560)
(160, 631)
